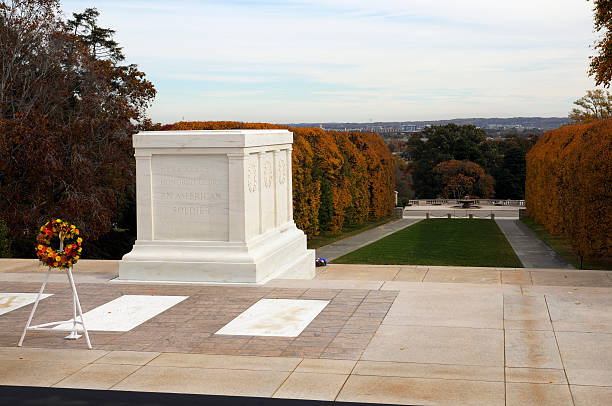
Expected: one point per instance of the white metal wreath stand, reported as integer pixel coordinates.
(76, 305)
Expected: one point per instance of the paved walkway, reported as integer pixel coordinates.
(420, 335)
(531, 250)
(343, 247)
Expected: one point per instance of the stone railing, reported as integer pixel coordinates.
(484, 202)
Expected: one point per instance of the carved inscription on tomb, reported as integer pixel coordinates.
(190, 197)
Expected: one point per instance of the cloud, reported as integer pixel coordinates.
(394, 60)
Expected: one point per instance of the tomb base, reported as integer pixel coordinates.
(279, 254)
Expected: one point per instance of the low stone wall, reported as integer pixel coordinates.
(485, 202)
(484, 212)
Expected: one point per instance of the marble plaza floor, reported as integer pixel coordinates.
(419, 335)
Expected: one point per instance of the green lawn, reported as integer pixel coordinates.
(563, 247)
(460, 242)
(327, 238)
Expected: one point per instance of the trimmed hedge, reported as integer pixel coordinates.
(569, 186)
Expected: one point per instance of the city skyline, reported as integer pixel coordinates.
(336, 61)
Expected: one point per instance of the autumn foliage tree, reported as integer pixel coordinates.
(439, 144)
(460, 178)
(403, 178)
(68, 109)
(595, 105)
(601, 63)
(569, 186)
(502, 158)
(510, 175)
(339, 178)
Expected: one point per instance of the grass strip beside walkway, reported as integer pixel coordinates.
(563, 247)
(326, 238)
(459, 242)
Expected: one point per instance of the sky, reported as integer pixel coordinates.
(317, 61)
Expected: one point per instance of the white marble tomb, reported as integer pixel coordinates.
(215, 206)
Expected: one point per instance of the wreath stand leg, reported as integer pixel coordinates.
(40, 292)
(76, 305)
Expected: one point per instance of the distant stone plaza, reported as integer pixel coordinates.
(481, 208)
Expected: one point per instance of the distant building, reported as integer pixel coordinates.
(409, 128)
(505, 127)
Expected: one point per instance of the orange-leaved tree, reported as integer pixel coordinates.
(569, 186)
(601, 64)
(461, 178)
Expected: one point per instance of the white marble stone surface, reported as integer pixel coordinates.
(190, 198)
(125, 312)
(275, 317)
(215, 206)
(12, 301)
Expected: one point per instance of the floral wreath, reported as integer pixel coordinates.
(70, 244)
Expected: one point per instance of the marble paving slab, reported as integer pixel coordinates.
(275, 317)
(12, 301)
(125, 312)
